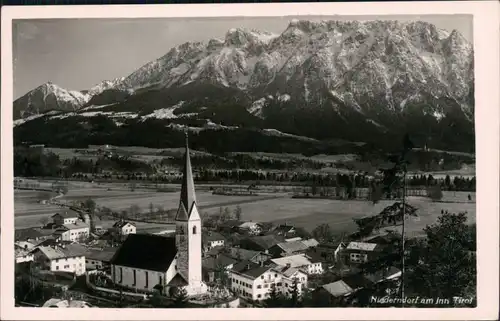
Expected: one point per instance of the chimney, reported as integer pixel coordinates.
(288, 265)
(248, 266)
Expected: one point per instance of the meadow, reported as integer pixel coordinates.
(272, 207)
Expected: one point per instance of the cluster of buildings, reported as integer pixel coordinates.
(195, 258)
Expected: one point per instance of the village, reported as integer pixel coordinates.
(202, 262)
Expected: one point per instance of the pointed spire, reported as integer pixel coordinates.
(188, 196)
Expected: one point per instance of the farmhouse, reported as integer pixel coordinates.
(211, 240)
(288, 248)
(99, 259)
(260, 243)
(300, 261)
(23, 256)
(67, 217)
(254, 282)
(146, 262)
(215, 265)
(122, 228)
(360, 252)
(327, 252)
(251, 228)
(76, 232)
(67, 258)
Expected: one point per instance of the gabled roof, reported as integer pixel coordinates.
(58, 252)
(212, 236)
(244, 265)
(120, 224)
(265, 241)
(77, 226)
(145, 251)
(338, 288)
(28, 233)
(287, 271)
(310, 242)
(243, 254)
(250, 269)
(361, 246)
(104, 255)
(292, 247)
(293, 260)
(216, 262)
(188, 195)
(178, 280)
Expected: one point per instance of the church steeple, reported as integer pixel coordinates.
(188, 195)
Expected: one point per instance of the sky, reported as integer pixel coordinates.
(77, 54)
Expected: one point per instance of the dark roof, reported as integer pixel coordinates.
(216, 262)
(212, 236)
(178, 280)
(104, 255)
(215, 250)
(121, 224)
(284, 228)
(188, 195)
(146, 251)
(28, 233)
(67, 214)
(315, 256)
(243, 254)
(265, 241)
(51, 242)
(244, 265)
(357, 281)
(331, 245)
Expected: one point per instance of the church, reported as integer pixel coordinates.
(147, 262)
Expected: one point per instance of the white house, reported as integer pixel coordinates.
(123, 228)
(23, 256)
(147, 262)
(254, 282)
(67, 217)
(360, 252)
(251, 228)
(301, 262)
(65, 258)
(76, 232)
(212, 239)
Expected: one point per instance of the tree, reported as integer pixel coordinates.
(435, 193)
(179, 294)
(294, 293)
(323, 233)
(44, 221)
(238, 212)
(447, 266)
(134, 210)
(225, 214)
(275, 299)
(90, 205)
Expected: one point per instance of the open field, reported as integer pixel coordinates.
(278, 207)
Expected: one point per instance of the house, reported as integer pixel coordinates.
(99, 259)
(67, 258)
(23, 255)
(335, 292)
(214, 265)
(212, 239)
(326, 252)
(254, 282)
(248, 255)
(301, 262)
(260, 243)
(310, 243)
(229, 226)
(24, 245)
(251, 228)
(360, 252)
(30, 234)
(288, 248)
(285, 230)
(67, 217)
(75, 232)
(122, 228)
(147, 263)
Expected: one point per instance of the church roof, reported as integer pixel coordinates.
(188, 195)
(147, 252)
(178, 280)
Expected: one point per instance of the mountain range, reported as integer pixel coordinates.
(354, 81)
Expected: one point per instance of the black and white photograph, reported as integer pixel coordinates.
(273, 162)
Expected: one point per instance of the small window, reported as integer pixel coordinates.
(275, 275)
(262, 277)
(259, 286)
(57, 267)
(194, 229)
(258, 295)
